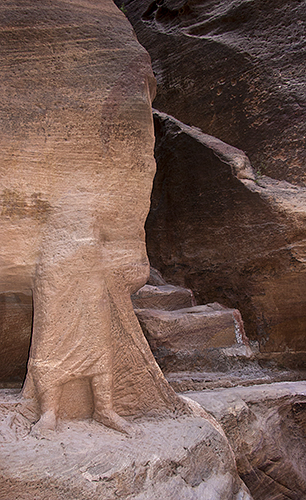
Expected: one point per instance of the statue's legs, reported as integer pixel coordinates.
(102, 382)
(72, 338)
(103, 404)
(49, 407)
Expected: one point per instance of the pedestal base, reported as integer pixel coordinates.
(187, 458)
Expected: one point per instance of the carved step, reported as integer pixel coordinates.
(166, 297)
(195, 337)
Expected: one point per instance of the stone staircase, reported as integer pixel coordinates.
(184, 336)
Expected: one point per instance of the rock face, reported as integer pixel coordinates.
(76, 174)
(192, 338)
(266, 426)
(229, 238)
(234, 69)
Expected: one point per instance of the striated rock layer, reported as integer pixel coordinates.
(236, 69)
(229, 238)
(76, 171)
(266, 426)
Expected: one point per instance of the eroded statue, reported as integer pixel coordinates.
(76, 173)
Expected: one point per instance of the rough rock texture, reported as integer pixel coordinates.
(184, 458)
(229, 238)
(234, 68)
(77, 164)
(166, 297)
(266, 426)
(191, 338)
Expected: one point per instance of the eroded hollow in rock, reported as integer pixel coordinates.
(16, 316)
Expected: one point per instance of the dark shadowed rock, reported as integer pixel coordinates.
(230, 239)
(15, 334)
(234, 69)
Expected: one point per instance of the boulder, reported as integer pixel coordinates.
(191, 338)
(234, 69)
(227, 236)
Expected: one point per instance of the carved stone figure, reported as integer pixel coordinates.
(76, 175)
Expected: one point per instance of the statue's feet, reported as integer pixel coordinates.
(45, 426)
(111, 419)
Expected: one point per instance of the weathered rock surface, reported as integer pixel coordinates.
(266, 426)
(236, 69)
(76, 168)
(186, 458)
(195, 337)
(166, 297)
(228, 238)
